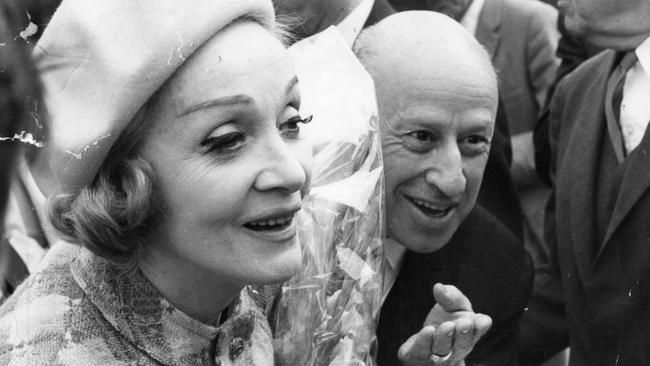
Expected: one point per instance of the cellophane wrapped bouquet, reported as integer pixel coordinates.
(327, 314)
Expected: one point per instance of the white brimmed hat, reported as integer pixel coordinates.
(101, 60)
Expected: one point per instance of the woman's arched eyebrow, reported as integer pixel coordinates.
(229, 100)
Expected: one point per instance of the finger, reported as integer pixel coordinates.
(482, 323)
(418, 346)
(443, 339)
(451, 298)
(464, 338)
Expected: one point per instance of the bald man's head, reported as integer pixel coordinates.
(422, 44)
(437, 98)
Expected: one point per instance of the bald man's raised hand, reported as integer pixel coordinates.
(449, 333)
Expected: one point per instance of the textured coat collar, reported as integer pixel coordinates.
(580, 159)
(140, 314)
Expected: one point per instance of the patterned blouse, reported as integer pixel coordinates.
(79, 309)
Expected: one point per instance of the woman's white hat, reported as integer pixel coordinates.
(101, 60)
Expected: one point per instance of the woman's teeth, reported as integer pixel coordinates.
(273, 224)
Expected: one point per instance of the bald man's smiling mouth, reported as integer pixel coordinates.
(431, 209)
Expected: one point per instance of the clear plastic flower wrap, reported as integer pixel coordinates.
(327, 313)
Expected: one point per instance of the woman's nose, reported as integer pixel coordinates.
(282, 168)
(446, 172)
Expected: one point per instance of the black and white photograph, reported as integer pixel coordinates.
(325, 182)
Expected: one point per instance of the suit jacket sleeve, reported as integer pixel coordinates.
(543, 329)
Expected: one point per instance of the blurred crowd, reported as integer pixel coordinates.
(515, 178)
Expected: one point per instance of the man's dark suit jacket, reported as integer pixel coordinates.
(488, 264)
(594, 294)
(498, 194)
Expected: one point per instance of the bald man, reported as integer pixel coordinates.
(437, 97)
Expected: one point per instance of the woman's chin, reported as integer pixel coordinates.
(292, 264)
(281, 268)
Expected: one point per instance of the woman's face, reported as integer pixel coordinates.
(230, 167)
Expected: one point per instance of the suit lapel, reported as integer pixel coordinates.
(584, 153)
(636, 182)
(489, 23)
(581, 160)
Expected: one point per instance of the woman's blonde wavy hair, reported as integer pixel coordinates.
(113, 215)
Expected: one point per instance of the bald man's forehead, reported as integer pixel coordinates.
(432, 75)
(407, 30)
(403, 93)
(421, 42)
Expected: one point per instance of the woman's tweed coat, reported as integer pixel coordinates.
(79, 309)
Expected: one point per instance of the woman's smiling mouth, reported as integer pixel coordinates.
(278, 225)
(275, 224)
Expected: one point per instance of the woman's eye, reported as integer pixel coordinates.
(474, 145)
(225, 143)
(291, 128)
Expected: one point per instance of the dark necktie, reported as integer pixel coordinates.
(613, 99)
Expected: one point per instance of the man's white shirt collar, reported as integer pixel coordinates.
(635, 109)
(351, 26)
(393, 253)
(643, 53)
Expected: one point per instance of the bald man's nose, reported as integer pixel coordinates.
(446, 173)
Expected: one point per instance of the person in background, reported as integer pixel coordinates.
(437, 98)
(573, 50)
(593, 293)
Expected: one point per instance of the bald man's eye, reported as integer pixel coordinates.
(420, 141)
(474, 145)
